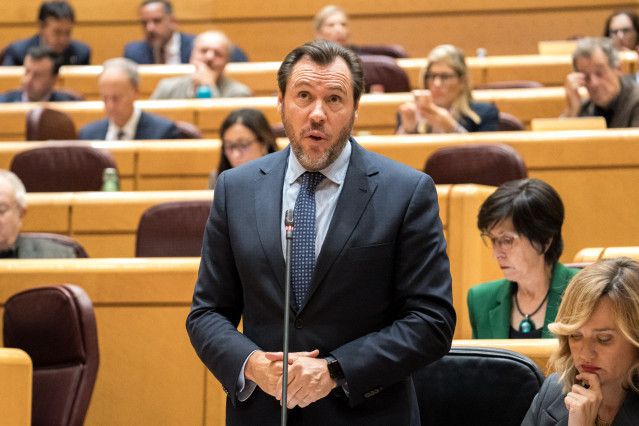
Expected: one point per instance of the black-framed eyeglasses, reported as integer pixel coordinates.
(623, 31)
(240, 145)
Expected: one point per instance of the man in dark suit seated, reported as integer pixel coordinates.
(41, 67)
(210, 55)
(13, 208)
(55, 21)
(118, 85)
(163, 44)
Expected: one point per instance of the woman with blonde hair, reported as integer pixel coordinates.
(447, 105)
(597, 362)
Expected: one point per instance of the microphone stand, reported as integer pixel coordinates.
(288, 224)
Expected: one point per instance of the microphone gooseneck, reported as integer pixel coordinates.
(288, 224)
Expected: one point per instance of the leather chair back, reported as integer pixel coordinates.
(188, 130)
(509, 123)
(477, 386)
(385, 71)
(392, 50)
(49, 124)
(58, 239)
(483, 164)
(62, 167)
(56, 326)
(172, 229)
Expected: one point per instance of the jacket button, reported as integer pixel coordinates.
(299, 323)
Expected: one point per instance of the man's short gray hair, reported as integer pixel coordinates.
(18, 187)
(126, 65)
(587, 46)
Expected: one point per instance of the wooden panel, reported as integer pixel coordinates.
(48, 214)
(16, 376)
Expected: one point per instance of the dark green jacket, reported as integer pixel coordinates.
(490, 304)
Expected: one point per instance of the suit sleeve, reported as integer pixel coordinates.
(218, 303)
(424, 321)
(10, 57)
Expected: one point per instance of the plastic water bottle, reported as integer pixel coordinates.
(110, 180)
(203, 92)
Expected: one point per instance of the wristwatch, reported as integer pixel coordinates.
(335, 370)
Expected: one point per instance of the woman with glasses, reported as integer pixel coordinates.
(246, 135)
(623, 28)
(447, 105)
(521, 221)
(597, 360)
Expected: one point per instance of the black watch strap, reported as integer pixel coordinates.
(335, 370)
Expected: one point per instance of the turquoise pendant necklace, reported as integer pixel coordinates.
(527, 325)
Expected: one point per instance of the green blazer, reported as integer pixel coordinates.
(490, 304)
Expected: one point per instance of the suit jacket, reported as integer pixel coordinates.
(490, 304)
(548, 407)
(626, 113)
(182, 88)
(142, 52)
(488, 114)
(379, 300)
(77, 53)
(16, 96)
(150, 126)
(37, 248)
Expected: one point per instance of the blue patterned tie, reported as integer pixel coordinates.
(303, 248)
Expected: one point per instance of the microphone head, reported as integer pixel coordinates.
(288, 218)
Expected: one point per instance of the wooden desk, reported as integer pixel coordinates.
(149, 373)
(377, 113)
(105, 223)
(596, 253)
(261, 77)
(16, 376)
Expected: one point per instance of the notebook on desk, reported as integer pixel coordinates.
(568, 123)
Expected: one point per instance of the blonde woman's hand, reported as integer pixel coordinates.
(583, 403)
(408, 114)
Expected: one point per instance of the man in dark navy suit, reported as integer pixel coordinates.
(118, 85)
(55, 21)
(41, 67)
(374, 300)
(163, 44)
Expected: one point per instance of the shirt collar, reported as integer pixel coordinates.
(335, 172)
(129, 128)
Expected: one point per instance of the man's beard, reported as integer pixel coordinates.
(313, 163)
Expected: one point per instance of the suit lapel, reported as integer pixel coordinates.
(268, 209)
(141, 127)
(499, 316)
(357, 191)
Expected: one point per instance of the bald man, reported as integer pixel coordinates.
(211, 53)
(118, 85)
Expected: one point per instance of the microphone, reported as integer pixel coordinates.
(288, 224)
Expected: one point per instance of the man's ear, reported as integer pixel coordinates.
(279, 101)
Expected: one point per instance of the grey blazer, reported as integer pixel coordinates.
(36, 248)
(182, 88)
(548, 408)
(627, 110)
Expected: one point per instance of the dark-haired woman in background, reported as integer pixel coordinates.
(623, 28)
(521, 221)
(246, 135)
